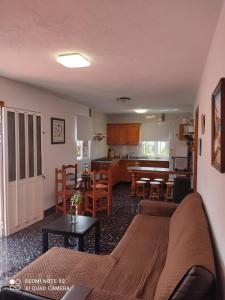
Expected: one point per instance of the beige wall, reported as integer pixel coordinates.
(99, 148)
(23, 96)
(211, 183)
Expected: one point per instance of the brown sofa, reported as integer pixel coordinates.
(166, 253)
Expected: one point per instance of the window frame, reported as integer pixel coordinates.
(156, 148)
(80, 143)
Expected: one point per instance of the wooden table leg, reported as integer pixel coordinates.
(133, 184)
(81, 243)
(44, 241)
(66, 240)
(97, 237)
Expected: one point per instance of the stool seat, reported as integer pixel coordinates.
(140, 189)
(169, 190)
(155, 190)
(140, 182)
(159, 179)
(145, 179)
(169, 183)
(155, 183)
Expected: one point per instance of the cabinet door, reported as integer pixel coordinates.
(113, 134)
(123, 134)
(133, 134)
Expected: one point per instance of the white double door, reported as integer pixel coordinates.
(22, 169)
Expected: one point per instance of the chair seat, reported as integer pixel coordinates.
(99, 193)
(101, 186)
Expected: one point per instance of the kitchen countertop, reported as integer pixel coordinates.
(106, 160)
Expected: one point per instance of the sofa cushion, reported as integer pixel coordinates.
(140, 257)
(64, 267)
(189, 246)
(157, 208)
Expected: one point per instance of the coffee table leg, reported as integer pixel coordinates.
(97, 237)
(44, 242)
(81, 243)
(66, 241)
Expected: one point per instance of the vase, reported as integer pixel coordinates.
(73, 214)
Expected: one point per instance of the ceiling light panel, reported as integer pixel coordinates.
(72, 60)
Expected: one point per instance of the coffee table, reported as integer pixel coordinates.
(63, 226)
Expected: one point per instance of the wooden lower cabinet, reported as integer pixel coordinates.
(115, 166)
(119, 168)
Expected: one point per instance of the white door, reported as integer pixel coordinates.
(22, 169)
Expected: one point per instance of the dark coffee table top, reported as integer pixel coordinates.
(63, 225)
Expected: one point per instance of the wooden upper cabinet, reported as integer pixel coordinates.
(133, 134)
(123, 134)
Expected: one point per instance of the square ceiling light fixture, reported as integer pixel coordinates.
(72, 60)
(140, 110)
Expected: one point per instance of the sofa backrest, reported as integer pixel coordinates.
(189, 264)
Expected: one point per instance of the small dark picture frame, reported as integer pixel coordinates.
(218, 127)
(58, 131)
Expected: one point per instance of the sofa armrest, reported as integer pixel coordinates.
(156, 208)
(13, 294)
(83, 293)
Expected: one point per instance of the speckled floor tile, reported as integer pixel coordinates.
(21, 248)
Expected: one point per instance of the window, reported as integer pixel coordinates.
(155, 148)
(83, 149)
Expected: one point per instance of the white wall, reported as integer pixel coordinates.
(211, 183)
(99, 148)
(23, 96)
(172, 120)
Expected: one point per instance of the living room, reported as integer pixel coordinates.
(150, 65)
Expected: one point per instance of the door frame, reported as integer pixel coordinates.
(2, 223)
(195, 175)
(27, 179)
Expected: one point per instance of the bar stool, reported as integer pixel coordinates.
(169, 190)
(162, 182)
(140, 188)
(147, 184)
(155, 190)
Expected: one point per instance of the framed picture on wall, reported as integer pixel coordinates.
(58, 131)
(218, 126)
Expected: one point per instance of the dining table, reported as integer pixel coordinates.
(152, 172)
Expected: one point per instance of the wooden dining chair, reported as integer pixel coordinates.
(99, 198)
(71, 176)
(63, 194)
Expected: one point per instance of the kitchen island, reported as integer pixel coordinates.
(151, 172)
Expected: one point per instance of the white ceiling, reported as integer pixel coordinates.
(150, 50)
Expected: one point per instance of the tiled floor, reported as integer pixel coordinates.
(23, 247)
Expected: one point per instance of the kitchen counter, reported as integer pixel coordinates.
(136, 158)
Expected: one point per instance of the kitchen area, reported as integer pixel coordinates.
(155, 141)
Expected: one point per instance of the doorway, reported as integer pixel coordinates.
(195, 178)
(22, 169)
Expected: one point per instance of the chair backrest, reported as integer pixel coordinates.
(71, 170)
(60, 180)
(96, 175)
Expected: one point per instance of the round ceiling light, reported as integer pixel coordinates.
(123, 99)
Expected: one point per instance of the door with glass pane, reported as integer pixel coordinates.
(22, 159)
